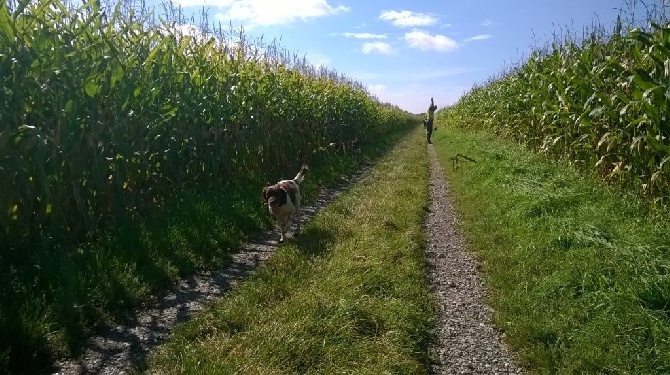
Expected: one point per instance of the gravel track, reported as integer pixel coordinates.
(466, 342)
(121, 349)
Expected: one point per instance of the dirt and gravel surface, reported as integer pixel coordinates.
(121, 349)
(466, 341)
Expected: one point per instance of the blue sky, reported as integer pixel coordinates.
(407, 51)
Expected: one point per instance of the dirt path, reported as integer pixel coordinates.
(467, 343)
(122, 349)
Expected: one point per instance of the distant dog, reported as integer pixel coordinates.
(283, 201)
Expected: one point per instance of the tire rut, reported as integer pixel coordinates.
(122, 349)
(466, 341)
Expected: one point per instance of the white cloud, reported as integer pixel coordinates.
(195, 33)
(487, 23)
(364, 35)
(425, 41)
(199, 36)
(407, 18)
(479, 37)
(187, 29)
(379, 47)
(204, 3)
(415, 76)
(267, 12)
(317, 59)
(374, 89)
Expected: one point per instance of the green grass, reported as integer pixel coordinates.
(347, 296)
(580, 272)
(53, 300)
(59, 297)
(131, 154)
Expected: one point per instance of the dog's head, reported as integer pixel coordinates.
(274, 196)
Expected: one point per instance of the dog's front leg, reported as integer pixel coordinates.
(283, 228)
(281, 234)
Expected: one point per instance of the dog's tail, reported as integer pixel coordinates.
(301, 175)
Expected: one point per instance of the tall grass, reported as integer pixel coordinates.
(131, 152)
(600, 101)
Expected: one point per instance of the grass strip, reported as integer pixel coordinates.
(580, 271)
(349, 295)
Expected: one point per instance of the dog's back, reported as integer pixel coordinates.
(289, 209)
(292, 187)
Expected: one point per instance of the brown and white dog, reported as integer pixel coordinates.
(283, 201)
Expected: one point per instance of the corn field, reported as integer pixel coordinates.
(600, 101)
(109, 111)
(100, 113)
